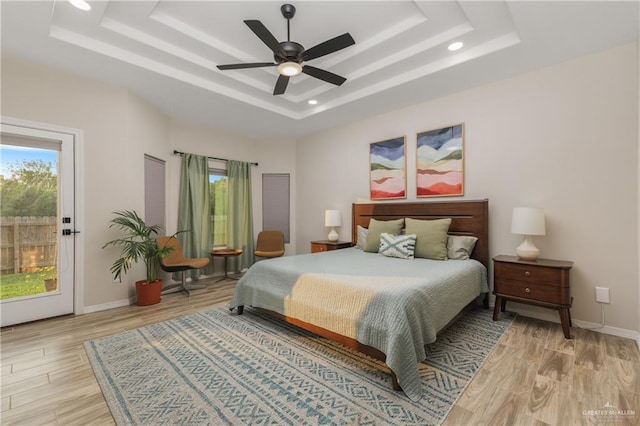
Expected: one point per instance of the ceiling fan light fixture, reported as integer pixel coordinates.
(289, 69)
(80, 4)
(289, 56)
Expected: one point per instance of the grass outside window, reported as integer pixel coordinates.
(24, 284)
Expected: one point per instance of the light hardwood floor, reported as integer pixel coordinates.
(46, 376)
(533, 376)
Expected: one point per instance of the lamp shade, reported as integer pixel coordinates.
(527, 221)
(332, 218)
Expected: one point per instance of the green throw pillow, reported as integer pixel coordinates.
(377, 227)
(431, 237)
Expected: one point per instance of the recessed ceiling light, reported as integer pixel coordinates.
(455, 46)
(313, 102)
(80, 4)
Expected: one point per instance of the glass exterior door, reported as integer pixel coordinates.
(36, 204)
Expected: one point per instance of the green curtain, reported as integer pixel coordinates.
(239, 214)
(194, 211)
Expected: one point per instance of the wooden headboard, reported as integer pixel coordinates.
(468, 218)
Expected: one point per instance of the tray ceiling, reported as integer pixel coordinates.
(167, 51)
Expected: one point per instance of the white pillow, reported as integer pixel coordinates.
(460, 247)
(401, 246)
(361, 237)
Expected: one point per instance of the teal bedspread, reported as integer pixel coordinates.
(394, 305)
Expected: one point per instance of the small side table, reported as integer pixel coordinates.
(542, 282)
(226, 254)
(326, 245)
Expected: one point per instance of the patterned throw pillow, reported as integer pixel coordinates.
(401, 246)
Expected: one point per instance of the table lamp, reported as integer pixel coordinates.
(332, 219)
(527, 221)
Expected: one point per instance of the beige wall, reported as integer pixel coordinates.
(564, 138)
(118, 129)
(45, 95)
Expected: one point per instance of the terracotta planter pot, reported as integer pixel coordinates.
(51, 284)
(148, 293)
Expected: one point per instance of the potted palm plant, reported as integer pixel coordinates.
(138, 244)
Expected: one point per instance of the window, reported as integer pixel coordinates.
(218, 190)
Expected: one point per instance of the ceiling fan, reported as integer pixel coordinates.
(289, 55)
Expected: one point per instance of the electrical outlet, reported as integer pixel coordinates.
(602, 294)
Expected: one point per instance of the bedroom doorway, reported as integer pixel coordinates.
(37, 233)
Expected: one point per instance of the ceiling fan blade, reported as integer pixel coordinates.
(327, 76)
(247, 65)
(329, 46)
(281, 85)
(264, 34)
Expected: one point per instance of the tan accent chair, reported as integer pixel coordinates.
(177, 262)
(270, 244)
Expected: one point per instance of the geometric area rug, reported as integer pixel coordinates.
(218, 368)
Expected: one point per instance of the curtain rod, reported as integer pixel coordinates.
(176, 152)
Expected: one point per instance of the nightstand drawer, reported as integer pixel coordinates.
(326, 245)
(317, 248)
(535, 292)
(530, 274)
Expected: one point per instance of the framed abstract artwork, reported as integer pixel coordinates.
(388, 169)
(440, 162)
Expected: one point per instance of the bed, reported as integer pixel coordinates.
(387, 308)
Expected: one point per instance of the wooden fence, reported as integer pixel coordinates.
(27, 244)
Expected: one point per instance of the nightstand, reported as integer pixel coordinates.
(326, 245)
(542, 282)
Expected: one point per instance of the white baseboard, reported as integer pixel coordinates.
(607, 329)
(132, 300)
(552, 316)
(110, 305)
